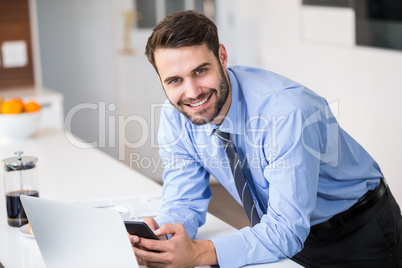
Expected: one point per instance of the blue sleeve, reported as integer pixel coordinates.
(186, 191)
(292, 174)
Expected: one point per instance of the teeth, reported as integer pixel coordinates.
(198, 103)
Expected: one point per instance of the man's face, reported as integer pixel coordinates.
(195, 82)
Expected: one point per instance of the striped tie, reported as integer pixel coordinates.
(239, 177)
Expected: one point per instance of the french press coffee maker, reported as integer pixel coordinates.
(19, 179)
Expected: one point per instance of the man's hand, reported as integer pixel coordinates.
(153, 225)
(179, 251)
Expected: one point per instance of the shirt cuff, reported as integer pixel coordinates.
(227, 247)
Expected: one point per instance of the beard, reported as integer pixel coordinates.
(208, 114)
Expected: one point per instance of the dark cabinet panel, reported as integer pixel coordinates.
(15, 26)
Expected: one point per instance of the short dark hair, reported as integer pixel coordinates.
(183, 29)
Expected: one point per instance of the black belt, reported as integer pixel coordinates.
(365, 202)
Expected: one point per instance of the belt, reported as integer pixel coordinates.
(365, 202)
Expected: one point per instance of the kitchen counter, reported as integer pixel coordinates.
(66, 172)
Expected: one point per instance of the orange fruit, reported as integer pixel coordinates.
(12, 106)
(31, 106)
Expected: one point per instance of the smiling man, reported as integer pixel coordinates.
(311, 192)
(199, 91)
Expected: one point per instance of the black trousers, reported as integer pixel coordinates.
(371, 239)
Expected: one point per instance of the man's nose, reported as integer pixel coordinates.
(192, 88)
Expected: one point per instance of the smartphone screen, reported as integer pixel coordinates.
(140, 229)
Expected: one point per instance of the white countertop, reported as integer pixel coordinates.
(66, 172)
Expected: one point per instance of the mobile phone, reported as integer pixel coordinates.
(140, 229)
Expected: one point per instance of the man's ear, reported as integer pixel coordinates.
(223, 56)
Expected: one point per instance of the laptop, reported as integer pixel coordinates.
(70, 235)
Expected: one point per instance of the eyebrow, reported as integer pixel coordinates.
(166, 80)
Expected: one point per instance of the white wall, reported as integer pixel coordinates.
(237, 22)
(315, 46)
(75, 39)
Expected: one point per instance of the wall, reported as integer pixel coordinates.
(75, 40)
(238, 22)
(315, 46)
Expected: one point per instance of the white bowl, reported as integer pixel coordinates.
(18, 126)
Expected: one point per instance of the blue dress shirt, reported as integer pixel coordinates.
(305, 168)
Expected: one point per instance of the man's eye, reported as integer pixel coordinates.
(200, 71)
(175, 81)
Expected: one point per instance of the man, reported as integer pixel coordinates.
(311, 192)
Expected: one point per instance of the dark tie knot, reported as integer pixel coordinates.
(223, 136)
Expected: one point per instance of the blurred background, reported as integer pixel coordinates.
(85, 60)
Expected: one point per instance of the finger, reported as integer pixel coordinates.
(154, 245)
(134, 239)
(148, 257)
(169, 228)
(162, 237)
(140, 261)
(156, 265)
